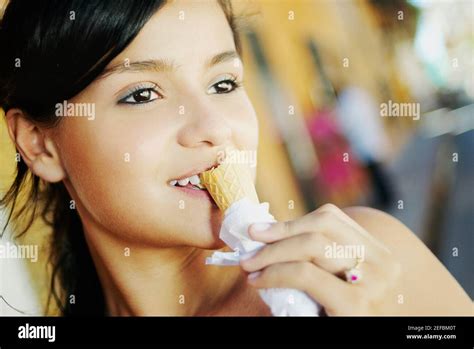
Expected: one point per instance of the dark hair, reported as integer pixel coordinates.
(51, 51)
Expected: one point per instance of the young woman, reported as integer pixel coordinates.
(159, 84)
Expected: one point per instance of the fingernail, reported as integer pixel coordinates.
(259, 227)
(254, 275)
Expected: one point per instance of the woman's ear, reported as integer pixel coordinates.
(38, 151)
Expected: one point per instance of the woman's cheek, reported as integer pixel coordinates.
(245, 129)
(108, 166)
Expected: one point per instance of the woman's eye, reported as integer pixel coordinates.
(224, 86)
(141, 96)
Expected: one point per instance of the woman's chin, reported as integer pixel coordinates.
(209, 241)
(214, 245)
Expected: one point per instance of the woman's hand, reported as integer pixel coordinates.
(305, 254)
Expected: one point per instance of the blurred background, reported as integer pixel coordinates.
(360, 102)
(327, 77)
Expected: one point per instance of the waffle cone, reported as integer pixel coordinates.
(229, 183)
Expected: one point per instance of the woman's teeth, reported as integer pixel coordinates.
(183, 182)
(194, 180)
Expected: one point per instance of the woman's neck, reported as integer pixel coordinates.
(142, 281)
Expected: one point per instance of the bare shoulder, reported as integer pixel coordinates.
(387, 229)
(427, 287)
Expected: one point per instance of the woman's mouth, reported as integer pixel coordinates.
(193, 182)
(192, 186)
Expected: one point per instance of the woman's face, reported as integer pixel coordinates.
(166, 107)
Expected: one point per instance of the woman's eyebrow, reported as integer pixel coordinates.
(221, 58)
(163, 65)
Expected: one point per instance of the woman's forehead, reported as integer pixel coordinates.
(181, 32)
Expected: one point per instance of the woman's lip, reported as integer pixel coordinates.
(200, 194)
(197, 172)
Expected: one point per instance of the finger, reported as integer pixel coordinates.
(269, 233)
(323, 287)
(307, 247)
(319, 221)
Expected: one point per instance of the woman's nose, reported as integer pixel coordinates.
(204, 125)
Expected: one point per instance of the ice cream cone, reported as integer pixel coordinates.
(229, 183)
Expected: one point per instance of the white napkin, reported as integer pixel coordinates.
(237, 218)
